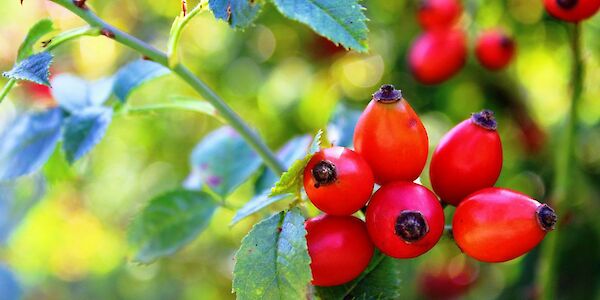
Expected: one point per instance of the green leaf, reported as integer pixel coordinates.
(238, 13)
(36, 32)
(381, 280)
(27, 143)
(255, 204)
(293, 150)
(179, 102)
(291, 180)
(35, 68)
(341, 21)
(83, 130)
(273, 261)
(169, 222)
(222, 161)
(134, 75)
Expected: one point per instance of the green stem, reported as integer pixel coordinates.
(71, 35)
(184, 73)
(563, 180)
(6, 89)
(177, 28)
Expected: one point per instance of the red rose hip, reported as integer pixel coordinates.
(572, 10)
(391, 138)
(404, 219)
(494, 49)
(339, 248)
(467, 159)
(338, 181)
(435, 14)
(435, 56)
(497, 225)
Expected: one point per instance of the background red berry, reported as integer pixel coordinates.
(404, 219)
(572, 10)
(338, 181)
(436, 56)
(391, 138)
(339, 248)
(494, 49)
(435, 14)
(496, 225)
(467, 159)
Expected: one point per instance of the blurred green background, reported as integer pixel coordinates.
(286, 81)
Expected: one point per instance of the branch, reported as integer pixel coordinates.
(185, 74)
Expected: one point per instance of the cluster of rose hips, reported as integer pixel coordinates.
(441, 51)
(404, 219)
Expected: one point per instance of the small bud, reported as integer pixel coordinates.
(107, 32)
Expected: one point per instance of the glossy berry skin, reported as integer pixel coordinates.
(435, 56)
(467, 159)
(391, 138)
(338, 181)
(572, 10)
(436, 14)
(385, 219)
(494, 49)
(497, 225)
(339, 248)
(448, 281)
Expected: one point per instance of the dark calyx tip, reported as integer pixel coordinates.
(485, 119)
(506, 42)
(324, 173)
(387, 94)
(567, 4)
(411, 226)
(546, 217)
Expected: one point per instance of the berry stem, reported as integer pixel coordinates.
(186, 75)
(563, 187)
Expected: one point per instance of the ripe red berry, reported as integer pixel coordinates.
(339, 248)
(467, 159)
(497, 225)
(338, 181)
(572, 10)
(391, 138)
(437, 55)
(494, 49)
(449, 280)
(435, 14)
(404, 219)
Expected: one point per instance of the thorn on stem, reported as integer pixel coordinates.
(107, 33)
(184, 7)
(144, 57)
(46, 43)
(80, 4)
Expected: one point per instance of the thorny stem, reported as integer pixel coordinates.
(565, 157)
(185, 74)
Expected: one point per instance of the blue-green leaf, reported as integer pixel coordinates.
(75, 94)
(341, 21)
(135, 74)
(36, 32)
(293, 150)
(273, 261)
(238, 13)
(83, 130)
(16, 198)
(341, 127)
(169, 222)
(291, 180)
(222, 161)
(10, 289)
(35, 68)
(27, 143)
(255, 204)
